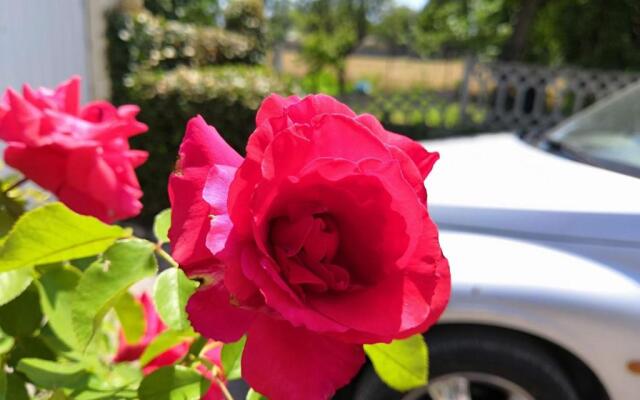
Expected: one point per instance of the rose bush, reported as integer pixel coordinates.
(316, 243)
(314, 250)
(79, 153)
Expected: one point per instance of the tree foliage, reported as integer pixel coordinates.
(397, 29)
(603, 34)
(588, 33)
(455, 28)
(330, 30)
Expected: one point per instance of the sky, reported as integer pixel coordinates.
(415, 4)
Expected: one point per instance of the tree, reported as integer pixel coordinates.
(397, 29)
(330, 30)
(606, 34)
(515, 47)
(279, 24)
(457, 28)
(589, 33)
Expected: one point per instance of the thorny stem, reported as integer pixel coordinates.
(223, 388)
(15, 185)
(214, 369)
(166, 256)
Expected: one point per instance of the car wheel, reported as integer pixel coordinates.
(478, 363)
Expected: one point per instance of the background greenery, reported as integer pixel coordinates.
(179, 58)
(188, 58)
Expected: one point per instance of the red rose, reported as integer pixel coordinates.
(81, 154)
(153, 327)
(319, 242)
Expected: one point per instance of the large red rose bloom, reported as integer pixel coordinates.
(318, 242)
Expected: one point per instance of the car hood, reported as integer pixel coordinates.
(498, 184)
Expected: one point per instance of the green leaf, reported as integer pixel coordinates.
(6, 344)
(231, 357)
(401, 364)
(170, 295)
(53, 233)
(101, 285)
(119, 394)
(51, 374)
(3, 384)
(15, 388)
(131, 317)
(253, 395)
(58, 394)
(6, 222)
(163, 342)
(56, 286)
(197, 345)
(22, 316)
(173, 383)
(112, 378)
(12, 283)
(29, 347)
(161, 225)
(49, 339)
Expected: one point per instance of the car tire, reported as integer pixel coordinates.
(508, 356)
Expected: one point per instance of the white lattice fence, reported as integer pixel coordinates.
(530, 99)
(495, 97)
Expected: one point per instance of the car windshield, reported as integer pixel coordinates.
(607, 134)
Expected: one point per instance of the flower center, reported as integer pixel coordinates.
(305, 247)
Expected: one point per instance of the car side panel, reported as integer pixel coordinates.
(583, 298)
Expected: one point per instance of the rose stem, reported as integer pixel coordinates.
(214, 370)
(15, 185)
(166, 256)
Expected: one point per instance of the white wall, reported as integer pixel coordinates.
(97, 57)
(43, 42)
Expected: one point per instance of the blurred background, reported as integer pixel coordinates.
(425, 68)
(544, 251)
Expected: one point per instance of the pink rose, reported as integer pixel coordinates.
(81, 154)
(153, 327)
(318, 242)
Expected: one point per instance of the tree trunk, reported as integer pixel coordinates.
(342, 79)
(514, 49)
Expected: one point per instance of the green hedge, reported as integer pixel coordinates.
(226, 96)
(175, 70)
(198, 11)
(143, 41)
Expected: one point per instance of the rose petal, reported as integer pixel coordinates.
(212, 314)
(263, 272)
(216, 187)
(200, 150)
(98, 111)
(67, 95)
(219, 232)
(313, 105)
(283, 362)
(43, 165)
(424, 160)
(274, 107)
(22, 121)
(169, 357)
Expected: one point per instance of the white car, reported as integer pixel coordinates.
(543, 239)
